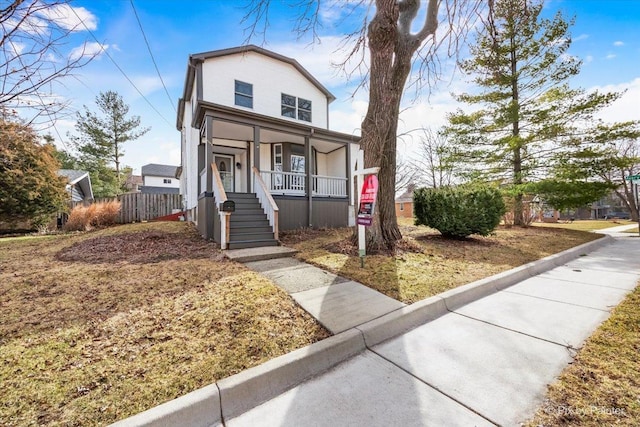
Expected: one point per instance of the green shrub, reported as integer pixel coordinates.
(458, 212)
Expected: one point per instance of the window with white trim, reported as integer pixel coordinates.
(296, 108)
(243, 94)
(166, 181)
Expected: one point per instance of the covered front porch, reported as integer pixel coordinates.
(299, 171)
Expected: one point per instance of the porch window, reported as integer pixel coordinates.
(244, 94)
(296, 107)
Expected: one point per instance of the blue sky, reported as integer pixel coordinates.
(606, 36)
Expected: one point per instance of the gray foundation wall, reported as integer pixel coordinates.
(326, 212)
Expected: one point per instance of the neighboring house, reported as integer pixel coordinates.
(79, 185)
(133, 183)
(404, 203)
(255, 131)
(160, 179)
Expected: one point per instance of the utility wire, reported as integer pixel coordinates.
(118, 67)
(151, 54)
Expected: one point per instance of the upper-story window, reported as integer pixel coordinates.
(166, 181)
(244, 94)
(296, 107)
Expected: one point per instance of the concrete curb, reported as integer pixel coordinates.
(237, 394)
(250, 388)
(200, 408)
(407, 318)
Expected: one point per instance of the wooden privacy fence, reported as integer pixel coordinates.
(136, 207)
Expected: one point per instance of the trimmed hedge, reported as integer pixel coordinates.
(458, 212)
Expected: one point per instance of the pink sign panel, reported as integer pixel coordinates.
(367, 201)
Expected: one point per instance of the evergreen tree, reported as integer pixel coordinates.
(531, 124)
(30, 188)
(101, 141)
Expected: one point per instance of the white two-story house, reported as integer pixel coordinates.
(160, 179)
(257, 152)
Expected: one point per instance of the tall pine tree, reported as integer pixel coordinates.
(101, 139)
(529, 123)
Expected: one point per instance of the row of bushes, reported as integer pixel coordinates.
(458, 212)
(84, 218)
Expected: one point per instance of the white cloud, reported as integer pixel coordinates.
(147, 84)
(70, 18)
(626, 107)
(610, 56)
(16, 48)
(588, 59)
(580, 37)
(618, 43)
(87, 50)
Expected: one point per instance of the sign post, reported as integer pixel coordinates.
(366, 201)
(635, 181)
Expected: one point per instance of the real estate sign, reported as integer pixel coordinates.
(367, 201)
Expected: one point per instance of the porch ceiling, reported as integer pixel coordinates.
(240, 132)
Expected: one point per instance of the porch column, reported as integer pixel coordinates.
(249, 160)
(209, 204)
(308, 181)
(348, 166)
(256, 152)
(208, 154)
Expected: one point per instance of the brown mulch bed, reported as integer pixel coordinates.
(140, 248)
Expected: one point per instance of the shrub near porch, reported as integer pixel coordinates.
(99, 326)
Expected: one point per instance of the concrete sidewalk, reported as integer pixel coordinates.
(337, 303)
(484, 363)
(480, 354)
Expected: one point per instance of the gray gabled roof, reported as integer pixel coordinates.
(80, 178)
(153, 169)
(72, 175)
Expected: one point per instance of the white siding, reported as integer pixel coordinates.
(265, 157)
(321, 160)
(189, 177)
(158, 181)
(269, 77)
(336, 163)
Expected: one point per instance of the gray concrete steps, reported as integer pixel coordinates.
(248, 225)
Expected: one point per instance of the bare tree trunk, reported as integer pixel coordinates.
(391, 46)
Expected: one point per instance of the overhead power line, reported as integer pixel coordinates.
(151, 54)
(119, 68)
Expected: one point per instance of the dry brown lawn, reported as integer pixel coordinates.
(601, 387)
(102, 325)
(427, 264)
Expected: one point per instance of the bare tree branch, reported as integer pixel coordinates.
(31, 55)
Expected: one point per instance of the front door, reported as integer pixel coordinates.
(225, 167)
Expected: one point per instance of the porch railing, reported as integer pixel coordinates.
(266, 201)
(329, 186)
(221, 197)
(283, 182)
(293, 183)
